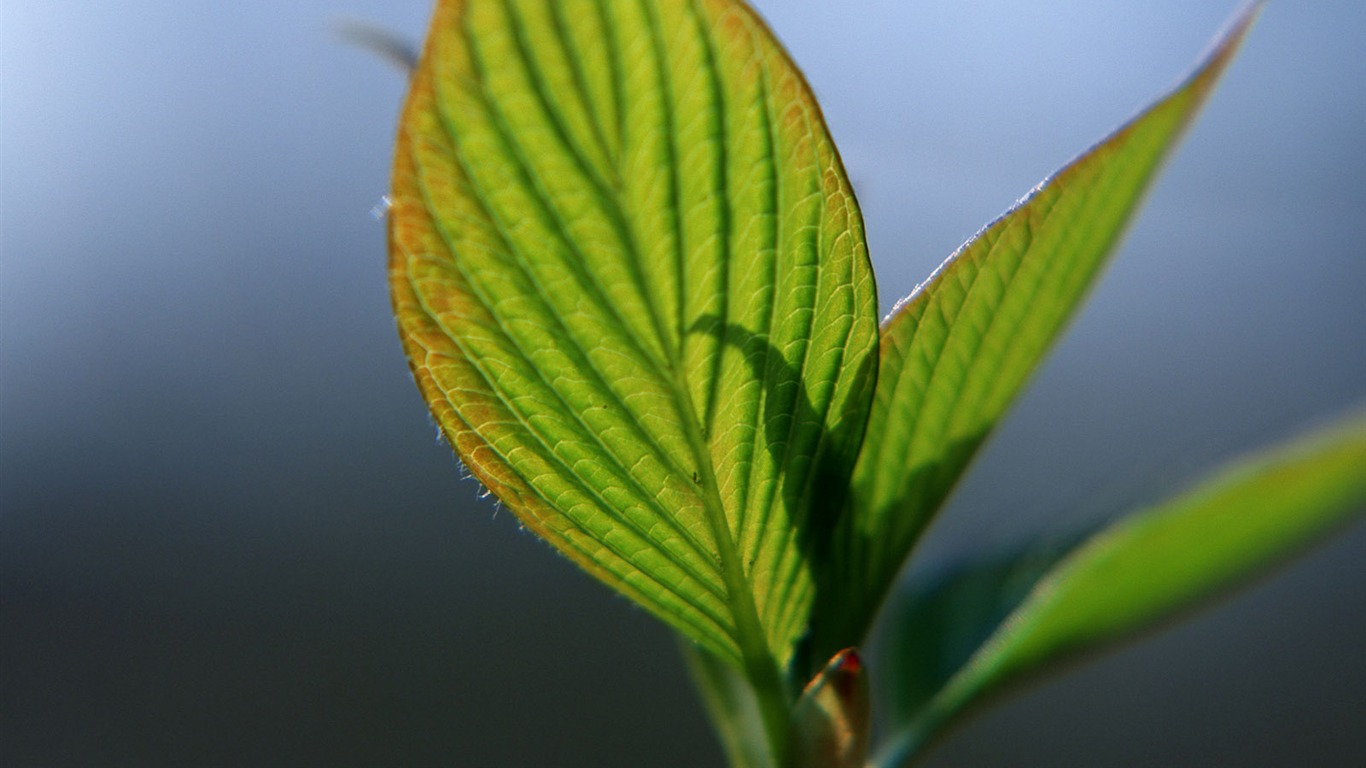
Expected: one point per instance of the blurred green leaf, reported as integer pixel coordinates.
(957, 351)
(631, 280)
(1140, 571)
(946, 617)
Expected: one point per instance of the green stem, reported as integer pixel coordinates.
(732, 706)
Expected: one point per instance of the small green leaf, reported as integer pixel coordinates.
(957, 351)
(632, 283)
(1140, 571)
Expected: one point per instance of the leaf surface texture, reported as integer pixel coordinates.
(631, 280)
(958, 350)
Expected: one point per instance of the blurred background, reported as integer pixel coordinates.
(229, 536)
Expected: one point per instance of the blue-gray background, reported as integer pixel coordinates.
(228, 535)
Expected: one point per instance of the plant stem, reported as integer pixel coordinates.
(732, 706)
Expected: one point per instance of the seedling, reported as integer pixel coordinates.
(631, 279)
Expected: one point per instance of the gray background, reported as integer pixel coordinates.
(228, 535)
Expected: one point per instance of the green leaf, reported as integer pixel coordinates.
(631, 280)
(946, 617)
(957, 351)
(1138, 572)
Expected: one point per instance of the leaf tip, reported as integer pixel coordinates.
(1226, 44)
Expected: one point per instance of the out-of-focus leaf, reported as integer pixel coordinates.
(957, 351)
(946, 617)
(631, 280)
(1140, 571)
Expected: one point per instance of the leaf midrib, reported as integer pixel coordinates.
(748, 632)
(750, 635)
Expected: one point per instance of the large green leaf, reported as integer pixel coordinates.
(631, 280)
(958, 350)
(1037, 610)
